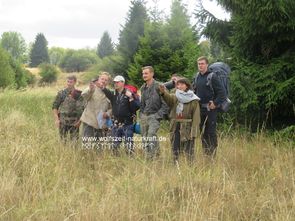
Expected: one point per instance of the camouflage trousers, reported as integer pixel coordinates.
(149, 127)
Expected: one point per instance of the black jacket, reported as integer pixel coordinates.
(123, 109)
(205, 92)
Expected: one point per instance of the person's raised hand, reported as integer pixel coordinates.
(128, 93)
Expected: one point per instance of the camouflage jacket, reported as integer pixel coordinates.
(70, 106)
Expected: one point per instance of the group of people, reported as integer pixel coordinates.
(191, 109)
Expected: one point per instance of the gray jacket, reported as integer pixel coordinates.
(152, 102)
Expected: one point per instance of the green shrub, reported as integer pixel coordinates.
(19, 72)
(78, 60)
(30, 78)
(48, 73)
(7, 76)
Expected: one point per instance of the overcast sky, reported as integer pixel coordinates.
(75, 23)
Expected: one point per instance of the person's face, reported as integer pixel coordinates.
(71, 83)
(147, 74)
(202, 66)
(103, 80)
(181, 86)
(119, 85)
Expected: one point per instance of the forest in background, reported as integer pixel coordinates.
(257, 42)
(252, 176)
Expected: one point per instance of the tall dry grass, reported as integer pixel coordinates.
(43, 179)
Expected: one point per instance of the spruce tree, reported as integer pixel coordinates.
(170, 47)
(105, 47)
(257, 30)
(153, 51)
(130, 34)
(182, 41)
(39, 51)
(260, 38)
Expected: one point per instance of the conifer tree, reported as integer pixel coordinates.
(39, 51)
(105, 47)
(131, 33)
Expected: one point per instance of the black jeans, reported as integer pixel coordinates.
(208, 131)
(185, 146)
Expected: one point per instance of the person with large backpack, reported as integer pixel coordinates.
(209, 87)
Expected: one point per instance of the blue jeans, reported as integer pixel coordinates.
(123, 133)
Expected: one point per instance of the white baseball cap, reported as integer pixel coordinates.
(119, 78)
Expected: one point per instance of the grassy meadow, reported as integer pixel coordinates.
(252, 177)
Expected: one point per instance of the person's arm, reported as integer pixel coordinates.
(170, 99)
(164, 110)
(80, 105)
(55, 106)
(195, 131)
(109, 94)
(88, 92)
(133, 100)
(142, 100)
(56, 117)
(134, 104)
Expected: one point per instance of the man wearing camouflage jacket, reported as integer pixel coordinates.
(67, 110)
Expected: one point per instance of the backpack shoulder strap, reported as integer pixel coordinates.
(209, 80)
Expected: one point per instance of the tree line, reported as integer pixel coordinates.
(257, 42)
